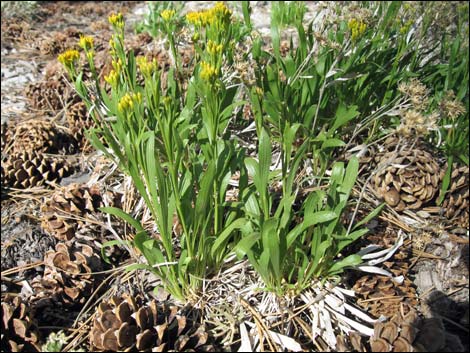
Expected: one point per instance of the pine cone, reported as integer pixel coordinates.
(60, 212)
(53, 94)
(353, 342)
(127, 323)
(79, 121)
(41, 136)
(29, 169)
(456, 202)
(58, 42)
(67, 277)
(389, 295)
(19, 331)
(409, 180)
(408, 333)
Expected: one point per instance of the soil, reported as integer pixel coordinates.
(440, 274)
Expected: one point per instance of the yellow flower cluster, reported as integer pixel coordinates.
(146, 67)
(116, 20)
(208, 72)
(167, 15)
(357, 28)
(117, 65)
(213, 48)
(219, 13)
(128, 100)
(69, 57)
(112, 78)
(86, 42)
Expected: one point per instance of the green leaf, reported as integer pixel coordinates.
(309, 220)
(222, 238)
(446, 180)
(332, 142)
(271, 245)
(134, 267)
(350, 176)
(203, 198)
(371, 215)
(351, 260)
(352, 237)
(343, 115)
(149, 248)
(123, 215)
(244, 246)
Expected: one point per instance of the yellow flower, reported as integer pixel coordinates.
(218, 14)
(357, 27)
(86, 42)
(167, 15)
(221, 11)
(208, 72)
(117, 65)
(127, 102)
(69, 57)
(112, 78)
(146, 67)
(90, 55)
(116, 20)
(194, 18)
(137, 97)
(213, 48)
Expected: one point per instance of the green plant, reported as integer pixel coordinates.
(153, 22)
(286, 13)
(172, 146)
(288, 255)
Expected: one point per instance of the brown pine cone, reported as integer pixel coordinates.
(41, 136)
(51, 95)
(408, 333)
(19, 331)
(380, 295)
(68, 275)
(456, 202)
(127, 323)
(409, 178)
(29, 169)
(79, 121)
(62, 213)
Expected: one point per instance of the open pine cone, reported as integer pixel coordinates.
(408, 333)
(67, 277)
(79, 121)
(28, 169)
(456, 201)
(41, 136)
(51, 95)
(19, 332)
(380, 295)
(407, 178)
(126, 323)
(402, 333)
(65, 212)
